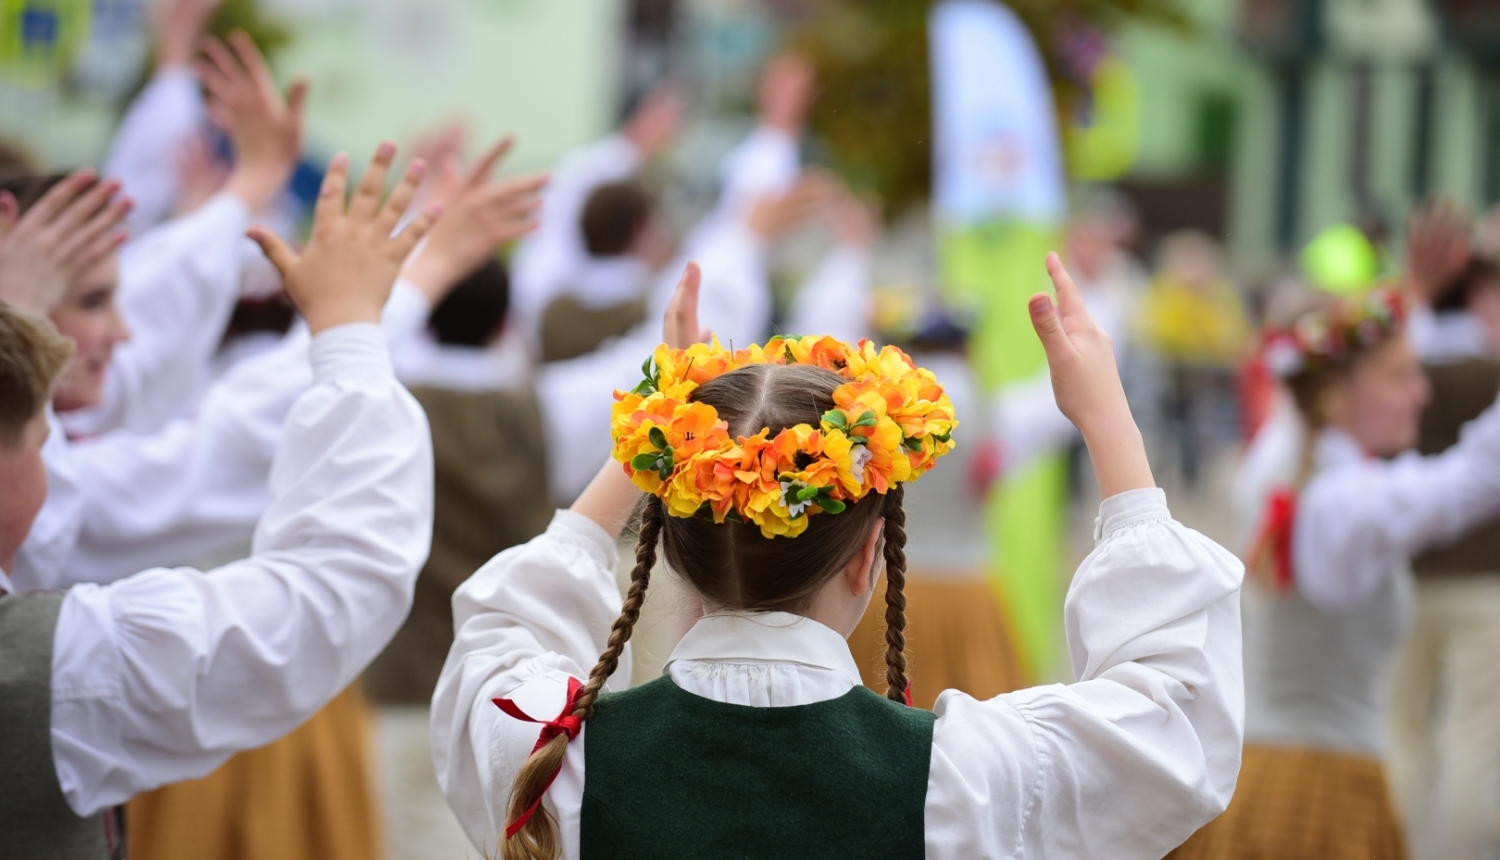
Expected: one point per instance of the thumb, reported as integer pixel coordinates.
(1048, 324)
(277, 251)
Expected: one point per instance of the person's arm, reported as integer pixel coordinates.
(835, 298)
(1145, 748)
(555, 251)
(179, 283)
(153, 138)
(1358, 522)
(160, 677)
(533, 617)
(120, 502)
(1086, 383)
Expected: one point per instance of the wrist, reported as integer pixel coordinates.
(256, 185)
(322, 318)
(432, 274)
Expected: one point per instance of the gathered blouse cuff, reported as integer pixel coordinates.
(1126, 509)
(354, 350)
(582, 533)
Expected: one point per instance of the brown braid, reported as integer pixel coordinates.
(895, 596)
(538, 840)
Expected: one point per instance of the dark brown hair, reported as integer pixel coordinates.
(32, 356)
(732, 566)
(614, 214)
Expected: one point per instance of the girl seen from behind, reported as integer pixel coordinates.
(773, 482)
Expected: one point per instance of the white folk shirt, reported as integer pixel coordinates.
(1126, 763)
(150, 144)
(163, 675)
(1317, 660)
(194, 489)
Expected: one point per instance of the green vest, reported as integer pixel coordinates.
(672, 775)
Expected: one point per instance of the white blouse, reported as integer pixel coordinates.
(161, 676)
(194, 489)
(1360, 517)
(1126, 763)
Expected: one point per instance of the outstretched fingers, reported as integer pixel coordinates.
(330, 204)
(406, 241)
(255, 64)
(1047, 321)
(94, 239)
(487, 162)
(278, 252)
(406, 189)
(366, 200)
(59, 197)
(1069, 299)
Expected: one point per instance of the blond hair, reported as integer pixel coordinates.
(32, 357)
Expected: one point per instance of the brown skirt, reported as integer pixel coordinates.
(308, 796)
(1302, 804)
(956, 638)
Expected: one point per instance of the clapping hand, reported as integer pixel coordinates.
(345, 273)
(73, 227)
(1087, 385)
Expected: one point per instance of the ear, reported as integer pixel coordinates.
(863, 571)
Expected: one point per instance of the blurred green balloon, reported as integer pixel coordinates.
(1341, 260)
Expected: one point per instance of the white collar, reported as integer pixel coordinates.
(766, 637)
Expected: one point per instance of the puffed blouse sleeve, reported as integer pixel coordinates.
(532, 617)
(1144, 748)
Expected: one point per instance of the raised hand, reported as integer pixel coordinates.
(266, 127)
(479, 215)
(178, 25)
(72, 228)
(1437, 246)
(345, 273)
(775, 215)
(1087, 386)
(680, 328)
(656, 120)
(787, 90)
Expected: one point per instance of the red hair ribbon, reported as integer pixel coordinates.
(906, 694)
(563, 723)
(1276, 536)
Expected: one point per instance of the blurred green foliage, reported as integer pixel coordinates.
(269, 34)
(873, 120)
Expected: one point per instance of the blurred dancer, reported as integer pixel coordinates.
(603, 239)
(112, 690)
(1338, 505)
(1446, 755)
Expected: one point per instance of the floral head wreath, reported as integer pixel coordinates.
(890, 423)
(1326, 338)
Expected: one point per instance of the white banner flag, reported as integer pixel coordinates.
(996, 152)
